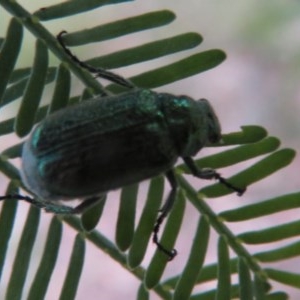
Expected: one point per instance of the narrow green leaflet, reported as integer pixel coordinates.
(224, 274)
(9, 53)
(211, 294)
(148, 218)
(43, 274)
(17, 89)
(147, 51)
(71, 281)
(277, 296)
(120, 28)
(69, 8)
(7, 220)
(188, 278)
(91, 217)
(272, 234)
(236, 155)
(19, 74)
(246, 291)
(208, 273)
(13, 151)
(8, 169)
(33, 92)
(142, 294)
(285, 252)
(264, 168)
(288, 278)
(249, 134)
(260, 288)
(22, 259)
(126, 216)
(7, 126)
(181, 69)
(62, 89)
(263, 208)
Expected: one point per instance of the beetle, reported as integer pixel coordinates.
(88, 149)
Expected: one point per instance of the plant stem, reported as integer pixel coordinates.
(101, 242)
(221, 228)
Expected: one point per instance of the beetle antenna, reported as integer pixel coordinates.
(100, 72)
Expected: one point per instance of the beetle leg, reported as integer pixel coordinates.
(100, 72)
(87, 203)
(164, 212)
(208, 173)
(68, 210)
(55, 208)
(28, 199)
(172, 196)
(48, 206)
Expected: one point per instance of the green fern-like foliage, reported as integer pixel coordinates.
(132, 237)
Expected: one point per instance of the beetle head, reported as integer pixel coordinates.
(205, 127)
(212, 122)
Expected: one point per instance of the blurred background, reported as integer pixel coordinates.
(258, 84)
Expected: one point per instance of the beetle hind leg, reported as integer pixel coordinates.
(48, 206)
(164, 212)
(28, 199)
(58, 209)
(68, 210)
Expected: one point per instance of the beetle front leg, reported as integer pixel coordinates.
(100, 72)
(208, 173)
(164, 212)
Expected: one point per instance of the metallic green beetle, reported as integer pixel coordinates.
(105, 143)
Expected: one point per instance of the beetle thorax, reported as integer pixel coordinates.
(192, 124)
